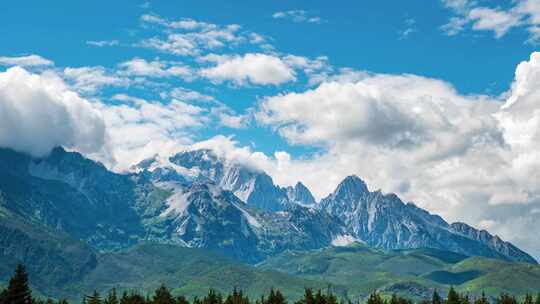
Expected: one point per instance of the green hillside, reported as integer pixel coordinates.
(187, 271)
(352, 272)
(411, 273)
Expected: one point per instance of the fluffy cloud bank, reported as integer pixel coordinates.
(38, 113)
(251, 68)
(470, 158)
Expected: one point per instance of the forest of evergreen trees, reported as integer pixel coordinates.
(19, 292)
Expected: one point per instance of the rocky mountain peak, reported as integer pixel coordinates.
(300, 194)
(351, 188)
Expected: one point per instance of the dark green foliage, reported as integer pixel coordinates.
(163, 296)
(3, 296)
(506, 299)
(111, 298)
(95, 298)
(132, 298)
(213, 297)
(181, 300)
(308, 297)
(237, 297)
(482, 299)
(399, 300)
(375, 298)
(453, 297)
(275, 297)
(18, 291)
(436, 298)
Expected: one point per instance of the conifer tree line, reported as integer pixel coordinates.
(19, 292)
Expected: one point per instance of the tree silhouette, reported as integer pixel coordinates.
(18, 291)
(95, 298)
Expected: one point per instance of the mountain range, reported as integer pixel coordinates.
(62, 214)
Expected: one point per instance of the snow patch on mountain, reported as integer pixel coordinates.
(250, 218)
(177, 203)
(344, 240)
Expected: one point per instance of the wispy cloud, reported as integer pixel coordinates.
(298, 16)
(189, 37)
(523, 14)
(102, 43)
(26, 61)
(410, 27)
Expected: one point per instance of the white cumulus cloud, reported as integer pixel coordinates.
(252, 68)
(38, 112)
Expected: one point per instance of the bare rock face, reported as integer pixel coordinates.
(196, 199)
(384, 221)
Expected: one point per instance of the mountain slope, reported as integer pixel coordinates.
(250, 185)
(187, 271)
(384, 221)
(205, 216)
(52, 258)
(413, 273)
(69, 193)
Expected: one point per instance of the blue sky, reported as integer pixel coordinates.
(436, 101)
(366, 36)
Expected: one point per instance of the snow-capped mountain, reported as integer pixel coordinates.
(196, 199)
(384, 221)
(300, 194)
(252, 186)
(207, 216)
(162, 202)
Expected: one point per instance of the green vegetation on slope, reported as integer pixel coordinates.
(411, 273)
(189, 271)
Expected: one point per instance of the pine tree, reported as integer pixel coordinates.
(308, 297)
(162, 295)
(132, 298)
(181, 300)
(275, 297)
(111, 297)
(528, 299)
(95, 298)
(319, 298)
(375, 298)
(482, 300)
(506, 299)
(3, 296)
(18, 291)
(212, 298)
(537, 301)
(237, 297)
(436, 298)
(453, 297)
(330, 297)
(395, 299)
